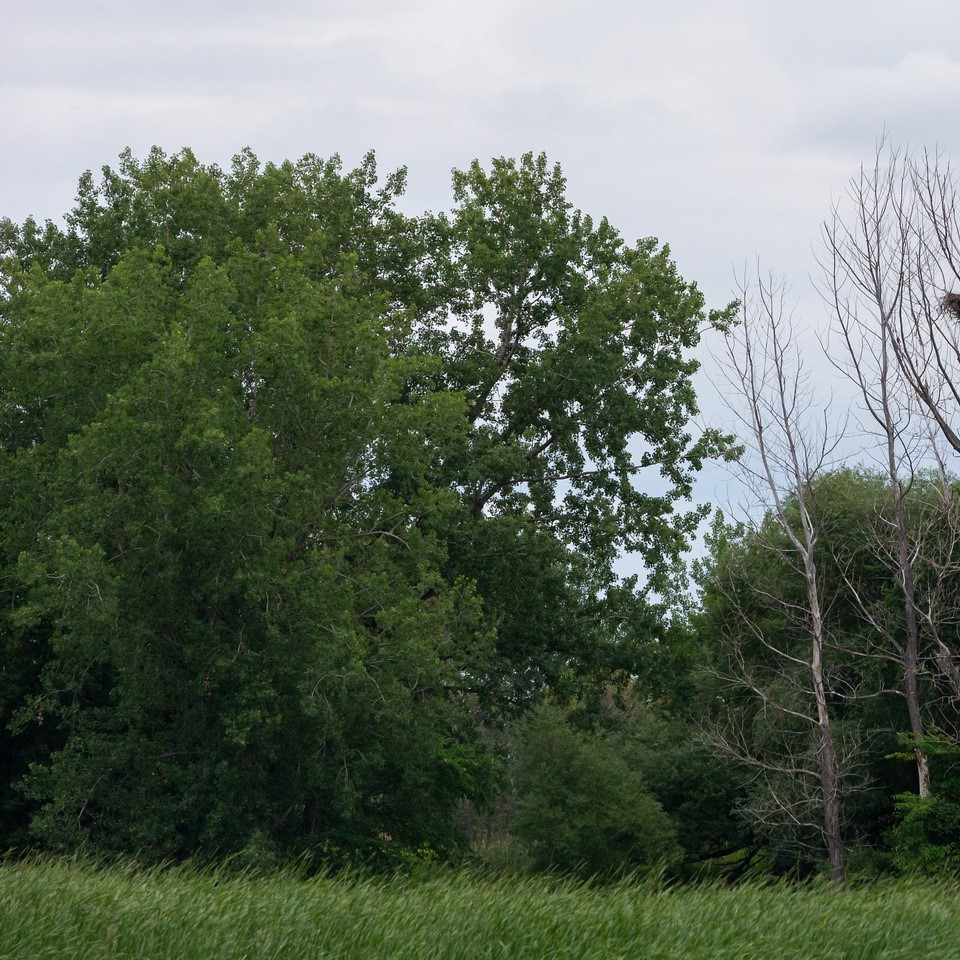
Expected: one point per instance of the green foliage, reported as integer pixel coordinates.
(297, 492)
(571, 349)
(578, 805)
(926, 838)
(748, 630)
(700, 792)
(249, 634)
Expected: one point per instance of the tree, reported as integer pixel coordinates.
(237, 628)
(787, 450)
(750, 592)
(890, 263)
(921, 214)
(571, 349)
(298, 490)
(867, 266)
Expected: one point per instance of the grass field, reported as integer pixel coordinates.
(64, 910)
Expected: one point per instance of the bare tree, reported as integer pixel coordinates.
(868, 264)
(926, 344)
(926, 337)
(788, 445)
(892, 262)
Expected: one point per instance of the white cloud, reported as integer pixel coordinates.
(918, 97)
(722, 128)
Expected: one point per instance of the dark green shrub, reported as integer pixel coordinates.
(927, 836)
(580, 808)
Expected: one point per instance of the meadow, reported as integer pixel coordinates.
(55, 909)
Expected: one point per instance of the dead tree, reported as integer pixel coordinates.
(787, 446)
(892, 263)
(868, 266)
(926, 337)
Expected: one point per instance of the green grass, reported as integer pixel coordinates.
(65, 910)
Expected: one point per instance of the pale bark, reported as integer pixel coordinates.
(868, 267)
(787, 451)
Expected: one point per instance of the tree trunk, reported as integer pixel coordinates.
(827, 754)
(911, 651)
(911, 620)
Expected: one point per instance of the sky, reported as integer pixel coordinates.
(726, 128)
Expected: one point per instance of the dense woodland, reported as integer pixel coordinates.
(311, 511)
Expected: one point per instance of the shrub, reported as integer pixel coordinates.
(579, 807)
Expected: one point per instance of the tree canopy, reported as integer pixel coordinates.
(299, 495)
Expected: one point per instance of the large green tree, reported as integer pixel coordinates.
(572, 350)
(298, 489)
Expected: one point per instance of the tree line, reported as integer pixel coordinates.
(870, 611)
(311, 511)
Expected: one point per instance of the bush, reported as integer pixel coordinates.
(927, 836)
(927, 839)
(580, 808)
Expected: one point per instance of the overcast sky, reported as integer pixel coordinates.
(723, 127)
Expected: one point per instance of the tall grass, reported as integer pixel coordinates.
(67, 910)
